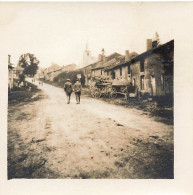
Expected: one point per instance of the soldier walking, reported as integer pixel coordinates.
(77, 90)
(68, 89)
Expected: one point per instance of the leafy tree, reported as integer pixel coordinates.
(157, 38)
(29, 62)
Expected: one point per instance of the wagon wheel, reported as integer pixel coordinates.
(92, 94)
(113, 93)
(93, 91)
(108, 93)
(104, 93)
(98, 94)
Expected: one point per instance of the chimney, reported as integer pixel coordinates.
(9, 59)
(126, 55)
(149, 44)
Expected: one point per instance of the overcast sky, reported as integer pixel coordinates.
(58, 32)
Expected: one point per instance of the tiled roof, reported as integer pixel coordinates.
(120, 61)
(168, 45)
(99, 64)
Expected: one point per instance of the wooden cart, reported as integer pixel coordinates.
(112, 90)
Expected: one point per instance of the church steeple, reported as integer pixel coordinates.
(86, 56)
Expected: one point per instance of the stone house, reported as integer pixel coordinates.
(151, 72)
(49, 72)
(55, 70)
(98, 68)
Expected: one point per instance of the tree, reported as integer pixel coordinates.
(157, 38)
(29, 62)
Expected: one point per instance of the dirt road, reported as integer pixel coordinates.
(48, 138)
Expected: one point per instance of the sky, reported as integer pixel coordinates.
(58, 32)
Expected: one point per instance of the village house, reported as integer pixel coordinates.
(17, 71)
(97, 70)
(87, 73)
(151, 72)
(49, 72)
(54, 70)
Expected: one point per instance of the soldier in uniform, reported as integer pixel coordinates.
(77, 90)
(68, 89)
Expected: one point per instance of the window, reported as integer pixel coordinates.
(133, 82)
(142, 82)
(120, 71)
(113, 75)
(142, 66)
(129, 69)
(101, 71)
(107, 73)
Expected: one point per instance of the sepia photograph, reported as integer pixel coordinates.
(96, 98)
(90, 91)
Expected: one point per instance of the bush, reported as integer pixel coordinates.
(72, 75)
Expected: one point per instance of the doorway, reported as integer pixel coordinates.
(153, 85)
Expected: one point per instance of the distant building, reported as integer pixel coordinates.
(54, 70)
(103, 62)
(49, 72)
(68, 68)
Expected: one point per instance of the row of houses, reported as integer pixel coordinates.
(151, 72)
(54, 70)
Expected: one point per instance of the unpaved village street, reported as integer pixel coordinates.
(48, 138)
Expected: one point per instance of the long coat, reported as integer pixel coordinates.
(77, 87)
(68, 87)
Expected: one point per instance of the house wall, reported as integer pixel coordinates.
(135, 74)
(68, 67)
(154, 68)
(151, 80)
(97, 73)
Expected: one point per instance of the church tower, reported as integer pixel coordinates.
(86, 56)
